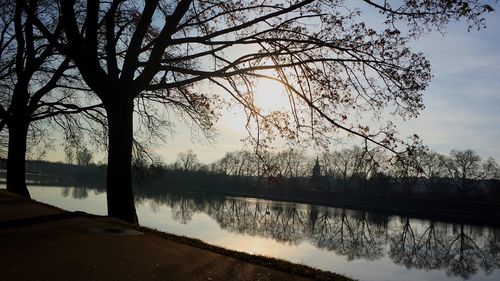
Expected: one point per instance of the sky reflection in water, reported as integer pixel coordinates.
(362, 245)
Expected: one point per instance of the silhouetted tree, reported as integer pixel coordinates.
(31, 69)
(467, 171)
(434, 170)
(83, 157)
(227, 165)
(353, 166)
(331, 63)
(187, 161)
(407, 170)
(291, 165)
(240, 166)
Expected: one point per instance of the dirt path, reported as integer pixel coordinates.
(40, 242)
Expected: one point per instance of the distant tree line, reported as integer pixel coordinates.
(76, 173)
(462, 175)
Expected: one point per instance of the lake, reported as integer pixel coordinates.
(359, 244)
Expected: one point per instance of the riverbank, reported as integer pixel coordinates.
(480, 213)
(41, 242)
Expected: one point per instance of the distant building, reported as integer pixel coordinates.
(317, 180)
(316, 173)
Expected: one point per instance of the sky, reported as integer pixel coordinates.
(462, 102)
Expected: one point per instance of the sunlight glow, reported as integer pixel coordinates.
(270, 96)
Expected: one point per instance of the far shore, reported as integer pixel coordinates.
(452, 211)
(474, 213)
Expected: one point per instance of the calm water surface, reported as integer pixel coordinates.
(359, 244)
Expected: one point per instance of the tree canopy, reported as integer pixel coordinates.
(335, 66)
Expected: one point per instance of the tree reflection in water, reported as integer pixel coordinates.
(347, 233)
(465, 256)
(431, 249)
(459, 250)
(403, 244)
(75, 192)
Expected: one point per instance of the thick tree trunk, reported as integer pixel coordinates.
(120, 196)
(16, 159)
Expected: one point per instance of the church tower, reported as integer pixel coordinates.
(316, 173)
(316, 179)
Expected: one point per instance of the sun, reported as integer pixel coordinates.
(270, 96)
